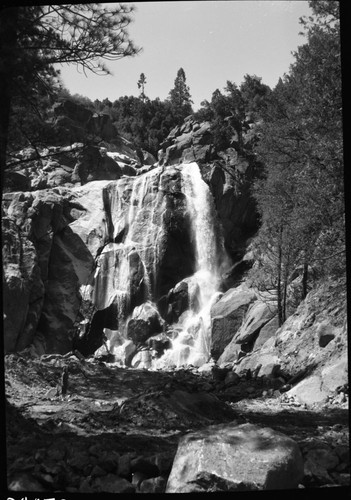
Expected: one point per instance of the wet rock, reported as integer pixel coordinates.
(159, 343)
(125, 353)
(145, 322)
(183, 296)
(142, 359)
(234, 458)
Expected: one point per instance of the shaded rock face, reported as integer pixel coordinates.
(23, 288)
(76, 123)
(50, 261)
(229, 175)
(230, 457)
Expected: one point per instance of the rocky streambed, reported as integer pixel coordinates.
(110, 429)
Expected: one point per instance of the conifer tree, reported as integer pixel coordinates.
(301, 196)
(35, 39)
(179, 96)
(141, 86)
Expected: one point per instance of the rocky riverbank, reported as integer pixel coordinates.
(117, 430)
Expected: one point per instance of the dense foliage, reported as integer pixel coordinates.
(147, 122)
(231, 114)
(301, 197)
(34, 40)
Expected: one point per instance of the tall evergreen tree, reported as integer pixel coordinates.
(179, 96)
(141, 86)
(302, 145)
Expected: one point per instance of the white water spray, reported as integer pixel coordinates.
(193, 343)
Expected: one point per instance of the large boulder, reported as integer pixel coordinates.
(309, 391)
(266, 332)
(144, 323)
(258, 314)
(184, 296)
(227, 316)
(231, 457)
(243, 341)
(264, 362)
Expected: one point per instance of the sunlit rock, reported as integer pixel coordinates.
(231, 457)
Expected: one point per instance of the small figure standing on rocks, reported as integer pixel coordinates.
(64, 380)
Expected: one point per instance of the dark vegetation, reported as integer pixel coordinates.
(293, 132)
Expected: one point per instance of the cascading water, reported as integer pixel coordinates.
(139, 212)
(193, 343)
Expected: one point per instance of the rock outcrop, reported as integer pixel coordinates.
(229, 174)
(227, 315)
(231, 457)
(294, 353)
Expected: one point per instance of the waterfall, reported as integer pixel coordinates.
(193, 344)
(139, 214)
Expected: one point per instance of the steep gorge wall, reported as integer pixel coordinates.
(74, 207)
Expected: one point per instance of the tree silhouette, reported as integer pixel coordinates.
(35, 39)
(179, 96)
(141, 86)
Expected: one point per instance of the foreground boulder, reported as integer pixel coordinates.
(231, 457)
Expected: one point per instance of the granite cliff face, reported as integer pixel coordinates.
(110, 206)
(103, 247)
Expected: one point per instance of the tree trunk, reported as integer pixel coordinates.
(304, 279)
(8, 39)
(279, 279)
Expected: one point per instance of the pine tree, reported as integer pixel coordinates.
(179, 96)
(36, 39)
(301, 196)
(141, 86)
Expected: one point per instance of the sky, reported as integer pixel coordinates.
(213, 41)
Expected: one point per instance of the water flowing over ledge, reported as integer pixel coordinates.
(163, 231)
